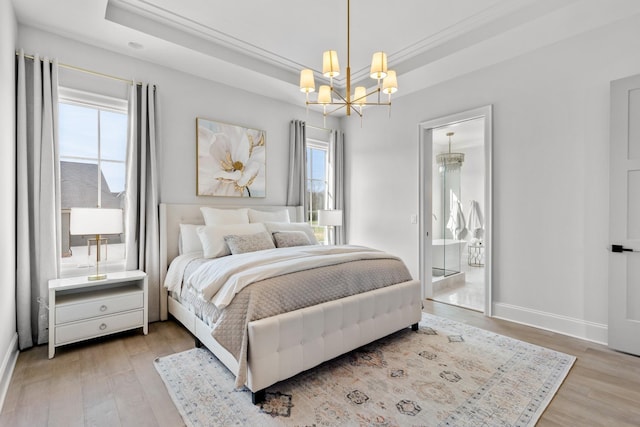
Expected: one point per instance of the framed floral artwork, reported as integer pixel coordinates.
(231, 160)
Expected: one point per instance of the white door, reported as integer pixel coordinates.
(624, 216)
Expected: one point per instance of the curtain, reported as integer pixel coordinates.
(37, 196)
(297, 165)
(337, 145)
(142, 238)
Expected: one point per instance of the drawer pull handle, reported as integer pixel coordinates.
(103, 326)
(103, 308)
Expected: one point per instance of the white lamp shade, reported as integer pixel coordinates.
(360, 95)
(330, 218)
(324, 94)
(379, 65)
(390, 83)
(307, 82)
(95, 221)
(330, 66)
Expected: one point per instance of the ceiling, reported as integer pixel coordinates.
(261, 45)
(466, 134)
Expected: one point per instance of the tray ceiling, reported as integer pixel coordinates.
(261, 45)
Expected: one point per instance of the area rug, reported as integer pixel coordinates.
(446, 373)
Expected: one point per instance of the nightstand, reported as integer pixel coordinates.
(81, 309)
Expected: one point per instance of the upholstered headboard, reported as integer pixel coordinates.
(172, 215)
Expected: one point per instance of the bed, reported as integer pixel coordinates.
(280, 346)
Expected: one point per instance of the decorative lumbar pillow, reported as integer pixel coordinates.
(264, 216)
(189, 240)
(213, 216)
(212, 237)
(240, 244)
(273, 227)
(286, 239)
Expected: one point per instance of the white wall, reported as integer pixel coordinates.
(8, 336)
(550, 160)
(181, 98)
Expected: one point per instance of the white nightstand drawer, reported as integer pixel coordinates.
(71, 310)
(98, 327)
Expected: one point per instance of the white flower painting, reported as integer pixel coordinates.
(231, 160)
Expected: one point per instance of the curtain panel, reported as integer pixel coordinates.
(37, 195)
(337, 145)
(142, 236)
(297, 165)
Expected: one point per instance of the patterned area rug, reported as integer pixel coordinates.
(447, 373)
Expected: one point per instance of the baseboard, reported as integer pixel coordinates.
(6, 369)
(578, 328)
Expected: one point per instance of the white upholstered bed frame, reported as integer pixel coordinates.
(285, 345)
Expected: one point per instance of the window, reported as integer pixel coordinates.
(319, 179)
(93, 143)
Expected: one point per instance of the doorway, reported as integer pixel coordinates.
(455, 209)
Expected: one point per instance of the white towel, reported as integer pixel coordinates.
(456, 219)
(475, 223)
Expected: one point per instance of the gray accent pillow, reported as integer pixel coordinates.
(240, 244)
(273, 227)
(286, 239)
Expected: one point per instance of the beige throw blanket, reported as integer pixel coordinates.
(221, 279)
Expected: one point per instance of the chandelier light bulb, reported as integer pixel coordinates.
(307, 82)
(379, 66)
(330, 66)
(324, 95)
(360, 95)
(390, 83)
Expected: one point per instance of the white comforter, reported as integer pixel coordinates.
(175, 273)
(222, 278)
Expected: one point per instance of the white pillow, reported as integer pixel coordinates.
(273, 227)
(264, 216)
(189, 240)
(212, 237)
(213, 216)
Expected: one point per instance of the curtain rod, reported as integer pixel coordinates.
(84, 70)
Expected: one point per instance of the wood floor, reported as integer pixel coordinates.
(112, 382)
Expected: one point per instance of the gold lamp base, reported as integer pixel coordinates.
(97, 276)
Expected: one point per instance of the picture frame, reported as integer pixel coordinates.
(230, 160)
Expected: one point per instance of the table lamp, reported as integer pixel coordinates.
(98, 221)
(330, 218)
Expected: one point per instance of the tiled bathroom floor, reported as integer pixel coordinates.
(470, 294)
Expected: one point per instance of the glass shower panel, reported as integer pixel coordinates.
(453, 220)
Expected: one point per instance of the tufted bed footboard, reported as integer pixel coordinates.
(285, 345)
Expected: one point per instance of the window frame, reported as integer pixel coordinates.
(326, 146)
(100, 103)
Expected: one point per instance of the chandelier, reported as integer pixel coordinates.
(450, 161)
(351, 102)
